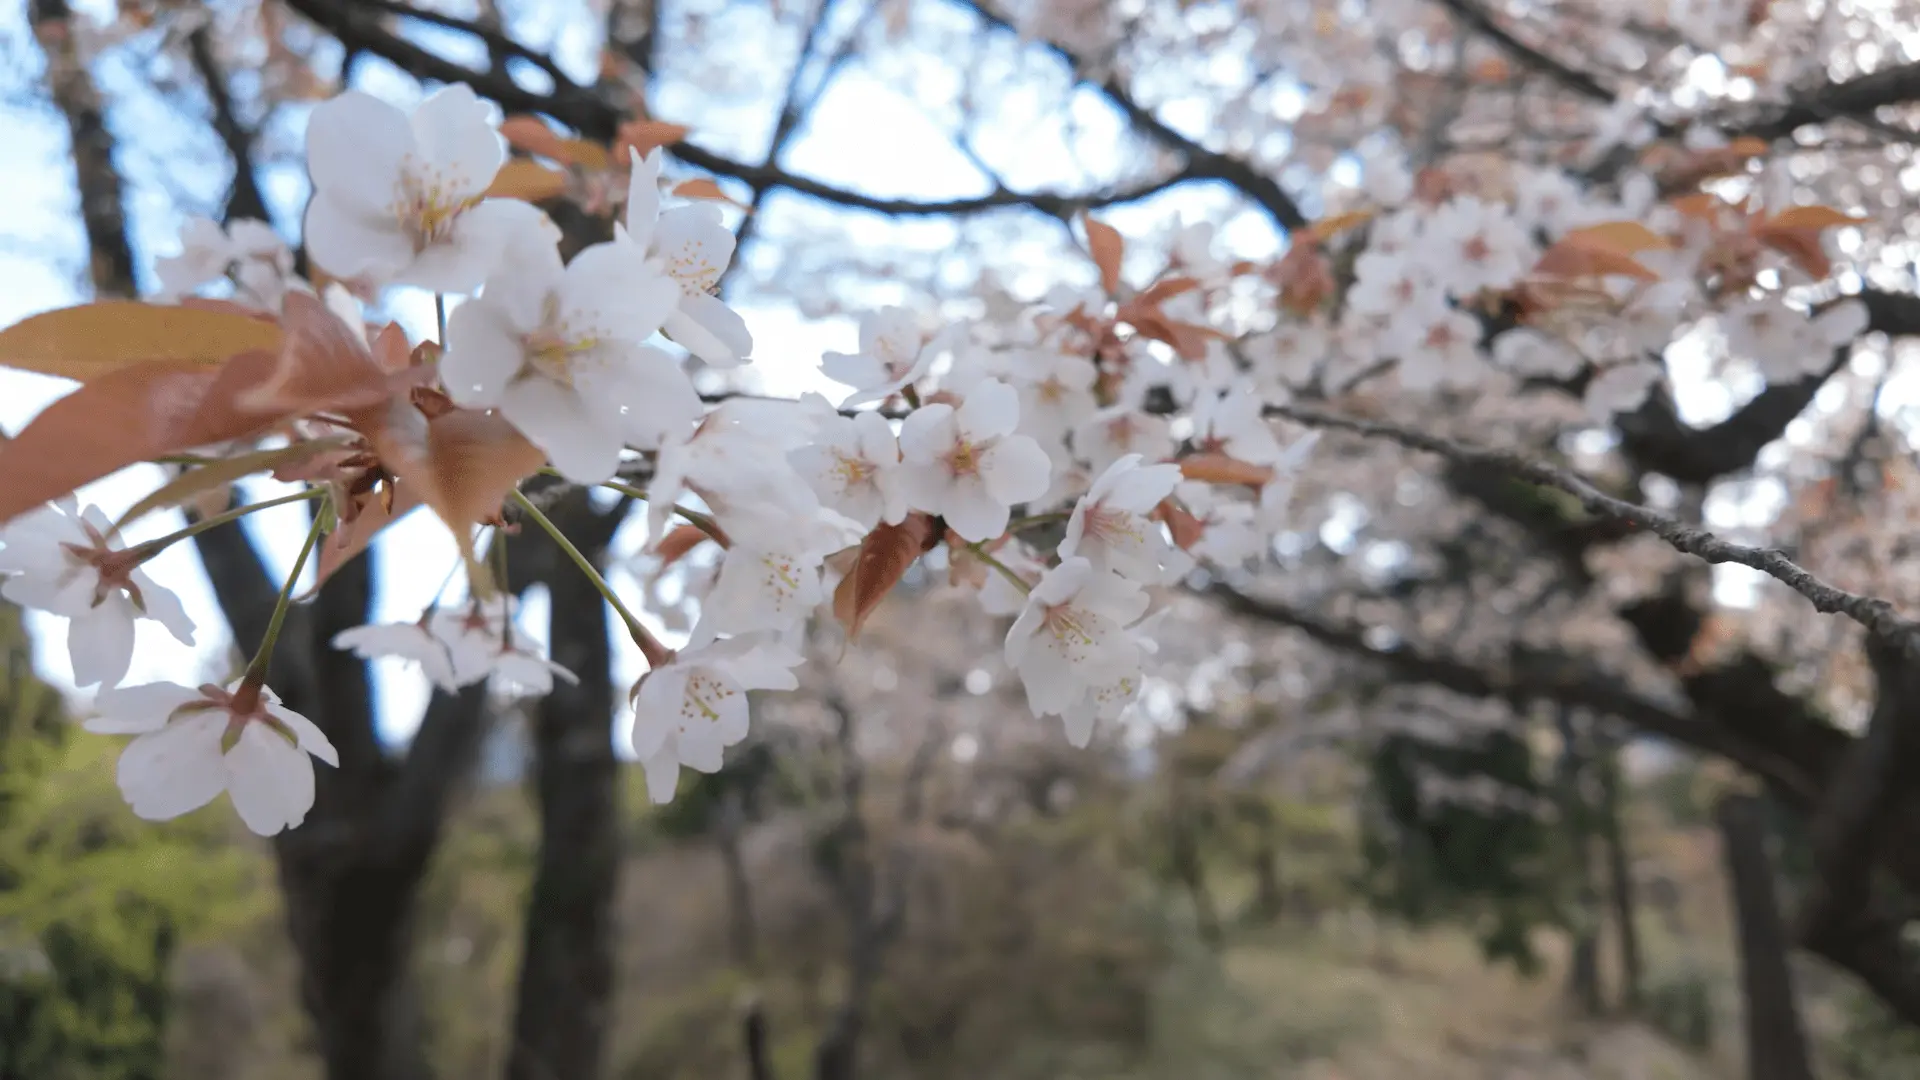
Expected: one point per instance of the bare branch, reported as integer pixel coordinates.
(1877, 615)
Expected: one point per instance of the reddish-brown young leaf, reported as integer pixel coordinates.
(89, 340)
(884, 557)
(701, 187)
(126, 416)
(1107, 249)
(529, 133)
(353, 537)
(1186, 529)
(1163, 290)
(528, 181)
(220, 475)
(1574, 261)
(473, 460)
(644, 135)
(679, 542)
(1217, 468)
(323, 364)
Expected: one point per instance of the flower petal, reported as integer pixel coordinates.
(100, 643)
(458, 149)
(174, 770)
(1016, 470)
(269, 779)
(356, 146)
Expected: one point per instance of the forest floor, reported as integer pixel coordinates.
(1357, 1004)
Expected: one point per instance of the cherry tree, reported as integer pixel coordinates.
(1536, 340)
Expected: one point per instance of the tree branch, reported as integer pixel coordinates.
(1855, 97)
(1877, 615)
(1479, 19)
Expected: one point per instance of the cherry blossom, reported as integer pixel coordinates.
(967, 465)
(400, 199)
(413, 642)
(558, 351)
(1477, 246)
(1228, 536)
(1056, 392)
(694, 246)
(894, 354)
(771, 581)
(70, 562)
(690, 709)
(1110, 527)
(1119, 430)
(194, 743)
(1070, 643)
(247, 251)
(483, 641)
(853, 465)
(1230, 423)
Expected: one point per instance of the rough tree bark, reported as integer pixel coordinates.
(1620, 881)
(1583, 969)
(566, 970)
(102, 208)
(1776, 1042)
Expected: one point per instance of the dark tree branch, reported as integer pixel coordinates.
(566, 971)
(596, 117)
(244, 199)
(1530, 677)
(1202, 163)
(1877, 615)
(1856, 97)
(110, 267)
(1655, 438)
(1776, 1040)
(1481, 20)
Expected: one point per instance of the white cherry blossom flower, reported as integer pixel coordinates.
(772, 581)
(1056, 392)
(1110, 527)
(1473, 246)
(1119, 430)
(1230, 423)
(690, 709)
(246, 251)
(1071, 640)
(1619, 389)
(894, 354)
(968, 466)
(69, 562)
(558, 352)
(412, 642)
(1228, 536)
(853, 465)
(1388, 282)
(400, 199)
(736, 460)
(194, 743)
(1276, 495)
(694, 245)
(1528, 352)
(483, 641)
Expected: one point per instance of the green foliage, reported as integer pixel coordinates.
(1681, 1006)
(1489, 867)
(93, 901)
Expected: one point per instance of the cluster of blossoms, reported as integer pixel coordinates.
(1067, 464)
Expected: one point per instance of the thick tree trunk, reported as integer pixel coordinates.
(742, 931)
(350, 873)
(566, 971)
(1620, 882)
(1776, 1042)
(102, 208)
(1583, 964)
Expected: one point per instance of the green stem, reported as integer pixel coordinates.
(1005, 571)
(655, 652)
(153, 547)
(1038, 520)
(256, 674)
(703, 522)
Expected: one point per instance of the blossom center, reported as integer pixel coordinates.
(426, 205)
(1107, 524)
(964, 458)
(695, 272)
(555, 349)
(1069, 625)
(852, 470)
(700, 701)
